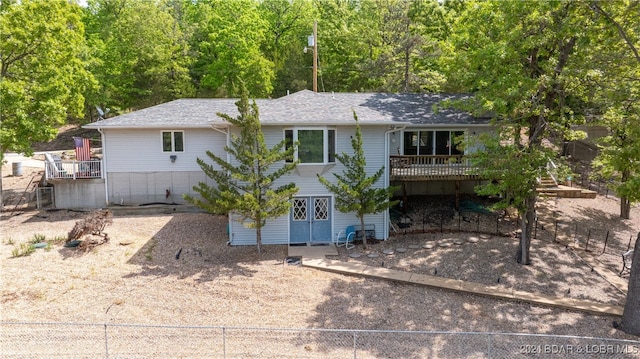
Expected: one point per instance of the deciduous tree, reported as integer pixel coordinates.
(43, 71)
(516, 58)
(141, 53)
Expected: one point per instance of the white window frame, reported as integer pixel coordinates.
(173, 140)
(325, 143)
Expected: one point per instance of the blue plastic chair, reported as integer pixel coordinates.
(345, 237)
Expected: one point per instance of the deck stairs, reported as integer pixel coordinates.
(547, 186)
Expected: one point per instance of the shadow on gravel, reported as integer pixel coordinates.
(194, 245)
(377, 305)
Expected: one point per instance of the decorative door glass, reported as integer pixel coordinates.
(300, 209)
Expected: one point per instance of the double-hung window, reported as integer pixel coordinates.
(316, 145)
(172, 141)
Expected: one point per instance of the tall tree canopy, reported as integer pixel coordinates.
(228, 39)
(140, 53)
(616, 93)
(43, 73)
(517, 57)
(381, 45)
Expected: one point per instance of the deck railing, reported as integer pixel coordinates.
(73, 169)
(425, 168)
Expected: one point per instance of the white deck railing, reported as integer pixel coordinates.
(73, 169)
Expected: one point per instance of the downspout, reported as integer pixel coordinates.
(104, 166)
(386, 174)
(227, 133)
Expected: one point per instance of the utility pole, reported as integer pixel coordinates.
(315, 56)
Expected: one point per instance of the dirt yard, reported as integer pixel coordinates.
(177, 270)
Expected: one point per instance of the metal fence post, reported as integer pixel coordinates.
(106, 342)
(224, 343)
(606, 239)
(489, 345)
(355, 355)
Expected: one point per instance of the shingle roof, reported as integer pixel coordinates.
(303, 107)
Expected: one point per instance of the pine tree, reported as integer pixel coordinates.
(246, 188)
(354, 189)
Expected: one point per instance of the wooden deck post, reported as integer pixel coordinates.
(457, 195)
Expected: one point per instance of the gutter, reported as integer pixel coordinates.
(227, 133)
(104, 166)
(386, 173)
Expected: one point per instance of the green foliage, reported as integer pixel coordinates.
(383, 46)
(43, 74)
(615, 84)
(23, 250)
(140, 53)
(520, 59)
(38, 238)
(228, 38)
(514, 171)
(354, 188)
(247, 185)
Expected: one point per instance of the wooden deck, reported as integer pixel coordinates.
(56, 170)
(431, 168)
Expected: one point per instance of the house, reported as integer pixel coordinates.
(149, 156)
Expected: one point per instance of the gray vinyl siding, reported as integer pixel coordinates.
(134, 188)
(277, 231)
(140, 150)
(140, 172)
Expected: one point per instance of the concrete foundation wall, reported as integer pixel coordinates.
(84, 193)
(134, 188)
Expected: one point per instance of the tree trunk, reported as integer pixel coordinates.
(1, 196)
(631, 313)
(258, 238)
(527, 220)
(364, 233)
(625, 204)
(625, 208)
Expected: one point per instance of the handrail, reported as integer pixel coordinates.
(414, 167)
(552, 170)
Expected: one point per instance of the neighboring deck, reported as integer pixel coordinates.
(431, 168)
(58, 169)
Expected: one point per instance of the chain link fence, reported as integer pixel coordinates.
(72, 340)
